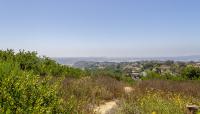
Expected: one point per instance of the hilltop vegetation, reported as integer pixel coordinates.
(33, 84)
(42, 66)
(26, 85)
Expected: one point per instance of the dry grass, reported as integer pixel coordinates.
(190, 88)
(81, 95)
(162, 96)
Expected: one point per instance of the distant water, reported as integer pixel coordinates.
(72, 60)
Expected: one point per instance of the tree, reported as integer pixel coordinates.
(191, 72)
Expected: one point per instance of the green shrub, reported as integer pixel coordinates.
(43, 66)
(151, 75)
(191, 72)
(24, 92)
(165, 76)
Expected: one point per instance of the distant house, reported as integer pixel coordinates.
(197, 64)
(135, 76)
(136, 73)
(133, 70)
(164, 68)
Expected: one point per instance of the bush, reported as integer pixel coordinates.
(165, 76)
(24, 92)
(191, 72)
(43, 66)
(151, 75)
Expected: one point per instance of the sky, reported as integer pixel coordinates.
(101, 28)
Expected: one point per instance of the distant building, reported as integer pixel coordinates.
(164, 68)
(136, 73)
(135, 76)
(197, 64)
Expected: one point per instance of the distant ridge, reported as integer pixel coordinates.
(72, 60)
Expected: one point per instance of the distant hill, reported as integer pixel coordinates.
(72, 60)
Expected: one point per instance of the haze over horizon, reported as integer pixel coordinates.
(101, 28)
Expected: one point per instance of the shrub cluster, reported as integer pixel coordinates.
(191, 72)
(24, 92)
(43, 66)
(25, 84)
(187, 73)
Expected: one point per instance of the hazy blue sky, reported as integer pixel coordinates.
(135, 28)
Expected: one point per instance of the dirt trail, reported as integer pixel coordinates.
(111, 106)
(107, 108)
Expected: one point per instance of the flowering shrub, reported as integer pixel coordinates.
(24, 92)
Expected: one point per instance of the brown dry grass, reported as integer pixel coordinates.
(161, 96)
(81, 95)
(190, 88)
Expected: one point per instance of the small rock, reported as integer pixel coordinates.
(128, 89)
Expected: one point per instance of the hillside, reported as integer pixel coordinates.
(33, 84)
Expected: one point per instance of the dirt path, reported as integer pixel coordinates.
(111, 106)
(107, 108)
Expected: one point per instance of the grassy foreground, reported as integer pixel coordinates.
(161, 97)
(148, 96)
